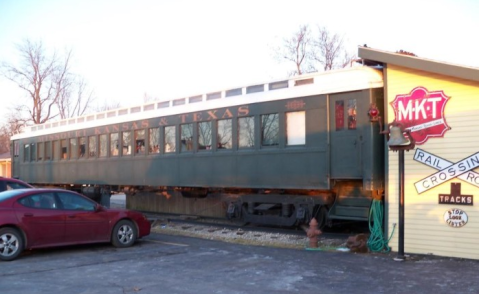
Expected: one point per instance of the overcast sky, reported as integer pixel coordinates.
(171, 49)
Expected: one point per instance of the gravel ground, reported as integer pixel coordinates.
(217, 232)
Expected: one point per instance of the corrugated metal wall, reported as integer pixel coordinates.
(426, 232)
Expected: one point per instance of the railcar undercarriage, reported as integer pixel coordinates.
(259, 206)
(286, 208)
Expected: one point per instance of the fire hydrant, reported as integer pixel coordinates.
(313, 233)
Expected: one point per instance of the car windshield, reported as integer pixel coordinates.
(11, 193)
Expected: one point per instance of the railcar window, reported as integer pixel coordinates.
(339, 115)
(40, 151)
(234, 92)
(140, 142)
(170, 139)
(92, 146)
(204, 135)
(103, 145)
(56, 150)
(149, 107)
(278, 85)
(270, 129)
(246, 132)
(16, 149)
(352, 114)
(225, 134)
(179, 102)
(195, 99)
(186, 133)
(255, 89)
(212, 96)
(163, 104)
(33, 151)
(114, 144)
(126, 141)
(26, 152)
(154, 141)
(48, 150)
(82, 149)
(296, 128)
(73, 148)
(64, 149)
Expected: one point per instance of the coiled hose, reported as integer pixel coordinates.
(376, 241)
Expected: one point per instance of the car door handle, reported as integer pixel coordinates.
(28, 214)
(71, 216)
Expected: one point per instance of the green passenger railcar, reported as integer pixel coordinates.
(273, 153)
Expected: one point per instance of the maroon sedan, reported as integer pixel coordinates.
(35, 218)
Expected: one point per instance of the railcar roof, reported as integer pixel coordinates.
(334, 81)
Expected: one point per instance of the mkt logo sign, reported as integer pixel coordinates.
(422, 112)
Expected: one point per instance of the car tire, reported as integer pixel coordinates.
(124, 234)
(11, 244)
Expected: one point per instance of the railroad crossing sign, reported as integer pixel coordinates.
(462, 169)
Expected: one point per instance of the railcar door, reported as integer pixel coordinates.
(346, 140)
(15, 164)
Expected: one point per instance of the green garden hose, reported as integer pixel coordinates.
(376, 241)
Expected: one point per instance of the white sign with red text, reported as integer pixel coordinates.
(422, 112)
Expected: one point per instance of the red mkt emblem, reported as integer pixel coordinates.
(422, 112)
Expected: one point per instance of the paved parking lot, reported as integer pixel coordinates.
(175, 264)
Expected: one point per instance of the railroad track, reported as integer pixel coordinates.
(339, 231)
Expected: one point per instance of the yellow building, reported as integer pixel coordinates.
(5, 165)
(438, 102)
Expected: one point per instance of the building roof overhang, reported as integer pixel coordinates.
(373, 57)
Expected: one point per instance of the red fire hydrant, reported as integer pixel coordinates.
(313, 233)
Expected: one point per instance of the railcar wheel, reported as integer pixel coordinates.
(124, 234)
(11, 244)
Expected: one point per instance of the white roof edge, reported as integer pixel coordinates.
(333, 81)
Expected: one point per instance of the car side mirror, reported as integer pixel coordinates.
(99, 207)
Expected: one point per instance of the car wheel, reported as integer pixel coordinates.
(11, 244)
(124, 234)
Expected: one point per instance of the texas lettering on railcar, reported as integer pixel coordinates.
(277, 153)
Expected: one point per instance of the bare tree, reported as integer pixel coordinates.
(148, 98)
(311, 50)
(297, 49)
(108, 106)
(329, 51)
(75, 98)
(4, 140)
(14, 125)
(47, 81)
